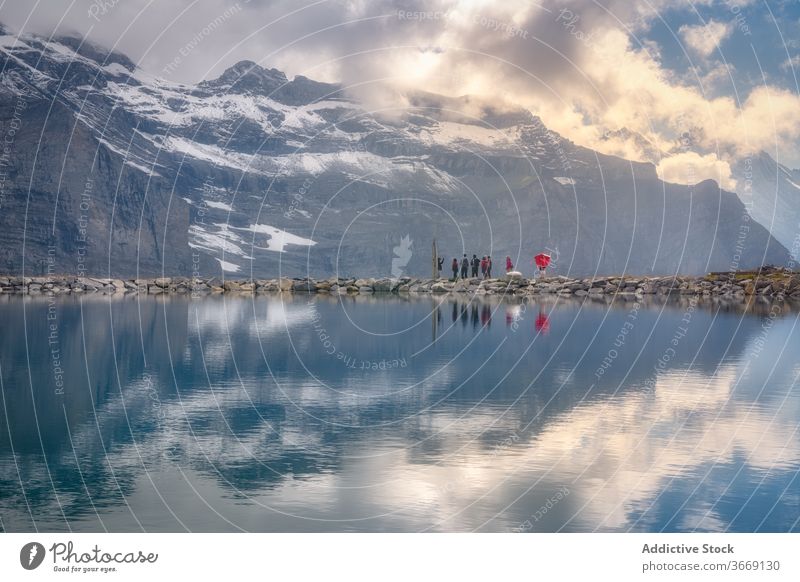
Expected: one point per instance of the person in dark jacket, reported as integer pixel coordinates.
(455, 268)
(439, 265)
(476, 262)
(464, 266)
(488, 267)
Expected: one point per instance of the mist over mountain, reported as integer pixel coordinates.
(109, 171)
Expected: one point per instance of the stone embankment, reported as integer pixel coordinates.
(766, 283)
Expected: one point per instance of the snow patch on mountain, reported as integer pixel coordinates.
(116, 69)
(331, 104)
(219, 205)
(64, 54)
(448, 133)
(141, 168)
(35, 76)
(279, 239)
(228, 267)
(177, 108)
(210, 153)
(222, 240)
(12, 42)
(346, 161)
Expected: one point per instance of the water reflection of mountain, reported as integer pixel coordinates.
(89, 333)
(249, 399)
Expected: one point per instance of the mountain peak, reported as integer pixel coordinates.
(502, 119)
(625, 140)
(247, 76)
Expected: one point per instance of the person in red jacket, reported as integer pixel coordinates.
(509, 264)
(484, 264)
(455, 268)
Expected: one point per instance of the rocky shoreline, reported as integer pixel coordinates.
(736, 285)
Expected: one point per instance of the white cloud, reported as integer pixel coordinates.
(719, 75)
(692, 168)
(704, 39)
(583, 75)
(791, 63)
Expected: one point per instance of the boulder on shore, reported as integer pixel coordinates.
(385, 285)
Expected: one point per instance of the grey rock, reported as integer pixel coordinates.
(303, 286)
(385, 285)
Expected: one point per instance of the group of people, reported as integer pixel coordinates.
(475, 265)
(484, 266)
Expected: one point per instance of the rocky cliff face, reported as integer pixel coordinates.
(72, 201)
(116, 173)
(771, 192)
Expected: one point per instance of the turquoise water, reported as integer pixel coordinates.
(314, 413)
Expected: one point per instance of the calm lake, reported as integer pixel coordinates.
(312, 413)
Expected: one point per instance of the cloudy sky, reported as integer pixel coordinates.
(721, 73)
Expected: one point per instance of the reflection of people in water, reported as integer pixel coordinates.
(464, 315)
(475, 315)
(486, 315)
(455, 311)
(542, 323)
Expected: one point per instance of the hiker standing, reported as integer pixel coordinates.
(475, 264)
(439, 265)
(509, 264)
(455, 268)
(464, 267)
(483, 267)
(488, 266)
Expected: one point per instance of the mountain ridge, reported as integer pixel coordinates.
(254, 174)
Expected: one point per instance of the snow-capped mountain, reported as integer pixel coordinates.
(112, 171)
